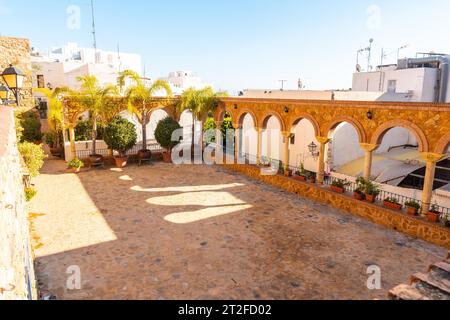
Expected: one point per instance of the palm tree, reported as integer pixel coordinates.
(141, 99)
(200, 103)
(55, 113)
(93, 97)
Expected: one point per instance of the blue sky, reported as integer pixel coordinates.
(238, 44)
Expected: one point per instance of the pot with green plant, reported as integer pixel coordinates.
(392, 203)
(339, 185)
(446, 219)
(75, 165)
(358, 194)
(371, 192)
(120, 135)
(163, 135)
(301, 174)
(412, 207)
(434, 213)
(312, 177)
(53, 139)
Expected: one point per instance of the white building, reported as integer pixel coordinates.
(182, 80)
(64, 64)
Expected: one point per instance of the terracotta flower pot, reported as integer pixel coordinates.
(300, 178)
(370, 198)
(337, 189)
(75, 170)
(288, 173)
(144, 155)
(96, 160)
(410, 211)
(312, 180)
(167, 157)
(358, 196)
(56, 152)
(433, 217)
(393, 206)
(121, 162)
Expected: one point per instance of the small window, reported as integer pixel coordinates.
(40, 81)
(392, 86)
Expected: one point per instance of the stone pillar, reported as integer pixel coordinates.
(431, 159)
(219, 142)
(368, 149)
(237, 151)
(286, 139)
(321, 170)
(258, 145)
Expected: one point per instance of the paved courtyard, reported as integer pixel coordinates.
(200, 232)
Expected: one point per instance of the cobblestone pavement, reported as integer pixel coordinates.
(199, 232)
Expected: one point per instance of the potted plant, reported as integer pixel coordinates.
(311, 177)
(412, 207)
(372, 191)
(301, 174)
(358, 194)
(75, 165)
(339, 185)
(265, 162)
(120, 135)
(392, 203)
(434, 214)
(446, 220)
(163, 135)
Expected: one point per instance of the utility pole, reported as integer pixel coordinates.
(93, 31)
(282, 84)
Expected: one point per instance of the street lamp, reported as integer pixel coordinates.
(13, 78)
(4, 93)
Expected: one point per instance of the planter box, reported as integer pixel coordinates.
(288, 173)
(433, 217)
(412, 211)
(370, 198)
(312, 180)
(337, 189)
(300, 178)
(358, 196)
(393, 206)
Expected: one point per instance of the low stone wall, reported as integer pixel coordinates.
(394, 220)
(17, 281)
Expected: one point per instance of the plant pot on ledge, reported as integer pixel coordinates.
(96, 160)
(167, 157)
(358, 195)
(144, 155)
(337, 189)
(410, 211)
(433, 216)
(392, 205)
(121, 161)
(370, 198)
(300, 178)
(312, 179)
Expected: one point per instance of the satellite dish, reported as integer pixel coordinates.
(358, 68)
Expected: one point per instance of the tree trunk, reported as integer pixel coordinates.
(193, 135)
(94, 136)
(144, 128)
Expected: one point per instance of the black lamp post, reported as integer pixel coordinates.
(313, 149)
(13, 78)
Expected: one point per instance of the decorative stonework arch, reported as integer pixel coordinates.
(362, 135)
(241, 115)
(379, 133)
(305, 116)
(443, 144)
(267, 115)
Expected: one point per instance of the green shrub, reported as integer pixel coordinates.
(30, 125)
(53, 139)
(76, 163)
(30, 193)
(372, 189)
(83, 131)
(120, 135)
(413, 204)
(392, 200)
(164, 131)
(33, 155)
(340, 183)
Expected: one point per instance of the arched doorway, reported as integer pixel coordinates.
(303, 134)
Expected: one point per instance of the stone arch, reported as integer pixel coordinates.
(379, 133)
(267, 115)
(355, 123)
(443, 144)
(310, 118)
(241, 115)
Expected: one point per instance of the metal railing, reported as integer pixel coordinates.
(151, 145)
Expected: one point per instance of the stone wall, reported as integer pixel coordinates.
(16, 51)
(16, 262)
(394, 220)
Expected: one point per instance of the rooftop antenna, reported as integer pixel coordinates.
(282, 84)
(400, 49)
(93, 31)
(369, 57)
